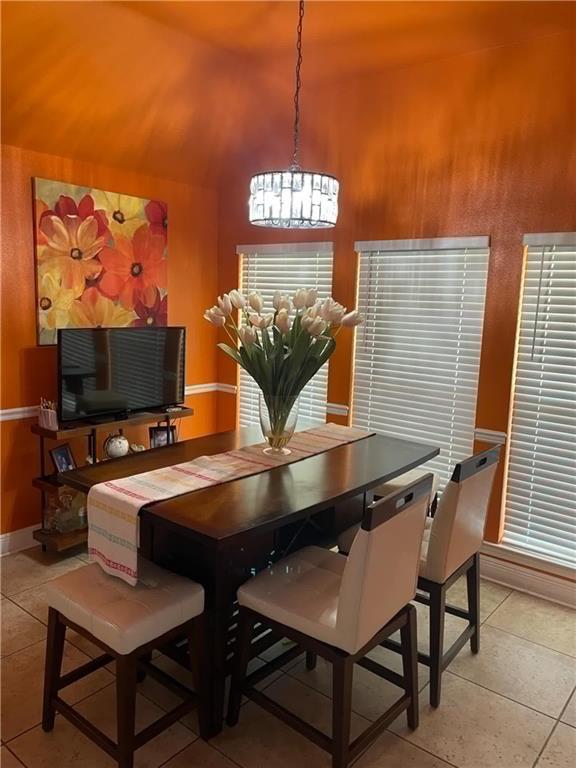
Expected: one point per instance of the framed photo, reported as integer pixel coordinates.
(62, 458)
(159, 435)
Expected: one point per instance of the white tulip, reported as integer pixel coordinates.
(256, 301)
(311, 297)
(332, 311)
(225, 304)
(309, 316)
(281, 302)
(300, 298)
(268, 320)
(351, 319)
(317, 326)
(283, 321)
(216, 318)
(237, 299)
(261, 321)
(248, 335)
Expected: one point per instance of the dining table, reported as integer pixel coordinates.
(223, 534)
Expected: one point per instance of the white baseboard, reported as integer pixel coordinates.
(16, 541)
(524, 579)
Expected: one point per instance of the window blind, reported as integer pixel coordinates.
(285, 268)
(540, 508)
(417, 355)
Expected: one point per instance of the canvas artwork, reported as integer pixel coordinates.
(100, 259)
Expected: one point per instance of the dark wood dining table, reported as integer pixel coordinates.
(223, 534)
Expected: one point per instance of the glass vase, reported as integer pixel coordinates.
(278, 417)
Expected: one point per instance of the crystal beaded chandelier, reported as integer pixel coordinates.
(294, 199)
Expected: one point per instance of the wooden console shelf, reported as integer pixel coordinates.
(84, 429)
(58, 541)
(50, 484)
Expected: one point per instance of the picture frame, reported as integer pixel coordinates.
(92, 289)
(159, 435)
(62, 458)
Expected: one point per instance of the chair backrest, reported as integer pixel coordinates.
(381, 571)
(458, 526)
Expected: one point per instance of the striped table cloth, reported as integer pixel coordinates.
(113, 506)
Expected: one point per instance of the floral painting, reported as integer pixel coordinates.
(100, 259)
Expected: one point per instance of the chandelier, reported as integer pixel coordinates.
(293, 198)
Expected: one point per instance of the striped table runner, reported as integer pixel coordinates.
(113, 506)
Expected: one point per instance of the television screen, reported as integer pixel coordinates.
(116, 371)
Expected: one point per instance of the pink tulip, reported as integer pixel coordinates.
(256, 301)
(225, 304)
(215, 317)
(352, 319)
(316, 327)
(237, 299)
(247, 335)
(283, 321)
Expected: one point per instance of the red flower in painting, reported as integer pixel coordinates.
(133, 268)
(157, 215)
(40, 209)
(66, 206)
(154, 313)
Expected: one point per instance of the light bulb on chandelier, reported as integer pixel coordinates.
(294, 199)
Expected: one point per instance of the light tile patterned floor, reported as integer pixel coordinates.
(512, 706)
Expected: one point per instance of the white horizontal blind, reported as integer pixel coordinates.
(541, 487)
(418, 353)
(285, 268)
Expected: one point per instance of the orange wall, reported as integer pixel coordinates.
(28, 371)
(477, 144)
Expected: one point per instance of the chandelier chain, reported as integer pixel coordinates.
(295, 157)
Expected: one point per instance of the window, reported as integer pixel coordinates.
(418, 353)
(270, 268)
(541, 491)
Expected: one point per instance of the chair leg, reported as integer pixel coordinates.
(473, 588)
(342, 674)
(311, 659)
(409, 641)
(141, 671)
(243, 643)
(126, 674)
(197, 656)
(437, 612)
(53, 666)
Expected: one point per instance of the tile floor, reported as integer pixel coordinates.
(513, 705)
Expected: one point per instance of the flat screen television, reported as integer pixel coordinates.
(118, 371)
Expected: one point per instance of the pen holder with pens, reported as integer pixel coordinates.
(47, 415)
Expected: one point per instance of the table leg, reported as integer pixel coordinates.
(221, 572)
(227, 570)
(217, 629)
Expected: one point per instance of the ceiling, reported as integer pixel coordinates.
(180, 89)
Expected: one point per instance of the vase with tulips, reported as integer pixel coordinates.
(281, 349)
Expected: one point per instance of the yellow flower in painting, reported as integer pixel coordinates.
(125, 212)
(94, 310)
(54, 302)
(71, 247)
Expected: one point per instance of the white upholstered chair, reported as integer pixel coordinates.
(452, 540)
(127, 623)
(392, 486)
(340, 608)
